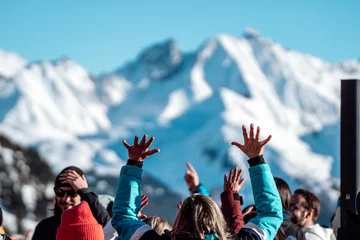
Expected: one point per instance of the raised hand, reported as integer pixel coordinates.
(144, 203)
(248, 210)
(232, 182)
(252, 147)
(191, 177)
(139, 151)
(76, 181)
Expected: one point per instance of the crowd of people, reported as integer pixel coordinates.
(276, 214)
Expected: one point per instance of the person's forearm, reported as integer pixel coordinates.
(266, 196)
(127, 204)
(128, 192)
(127, 201)
(231, 208)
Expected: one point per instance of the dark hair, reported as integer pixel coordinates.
(284, 191)
(109, 208)
(58, 182)
(57, 210)
(312, 201)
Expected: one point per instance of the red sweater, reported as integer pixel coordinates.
(231, 208)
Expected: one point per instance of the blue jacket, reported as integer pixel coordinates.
(128, 199)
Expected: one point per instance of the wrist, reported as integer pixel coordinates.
(136, 159)
(231, 190)
(194, 187)
(137, 163)
(238, 197)
(256, 160)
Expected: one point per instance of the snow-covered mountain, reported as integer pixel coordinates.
(194, 103)
(10, 63)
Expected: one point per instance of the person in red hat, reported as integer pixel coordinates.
(79, 223)
(70, 189)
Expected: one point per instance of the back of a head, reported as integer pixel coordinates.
(199, 215)
(284, 191)
(159, 224)
(312, 201)
(79, 223)
(107, 202)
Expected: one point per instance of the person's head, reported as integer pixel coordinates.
(305, 208)
(65, 195)
(107, 202)
(200, 215)
(80, 224)
(284, 191)
(159, 224)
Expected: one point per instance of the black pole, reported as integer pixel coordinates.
(350, 140)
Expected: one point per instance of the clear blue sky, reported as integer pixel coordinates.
(102, 35)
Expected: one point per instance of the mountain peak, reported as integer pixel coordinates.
(63, 59)
(251, 33)
(162, 59)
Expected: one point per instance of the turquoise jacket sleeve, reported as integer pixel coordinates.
(127, 204)
(201, 190)
(267, 201)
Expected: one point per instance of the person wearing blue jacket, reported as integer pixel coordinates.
(199, 217)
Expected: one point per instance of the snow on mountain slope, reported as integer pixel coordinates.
(54, 96)
(229, 82)
(10, 63)
(49, 105)
(327, 142)
(8, 96)
(194, 103)
(303, 82)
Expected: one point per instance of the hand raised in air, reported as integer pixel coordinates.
(252, 146)
(140, 151)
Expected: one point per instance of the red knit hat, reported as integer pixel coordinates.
(78, 223)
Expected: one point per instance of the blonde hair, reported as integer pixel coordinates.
(159, 224)
(200, 215)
